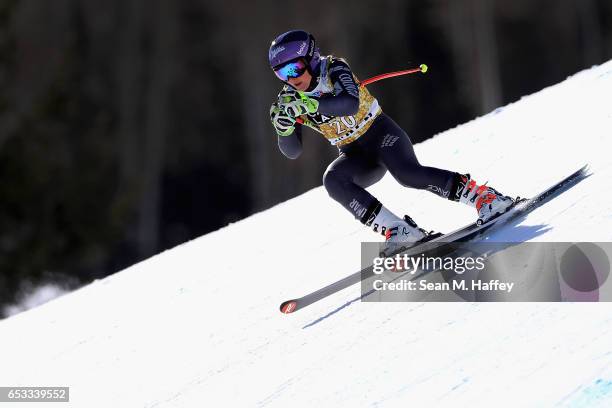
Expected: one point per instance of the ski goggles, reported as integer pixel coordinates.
(292, 69)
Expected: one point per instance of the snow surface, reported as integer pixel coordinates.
(199, 325)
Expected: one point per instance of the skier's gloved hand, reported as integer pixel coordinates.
(288, 95)
(296, 103)
(283, 123)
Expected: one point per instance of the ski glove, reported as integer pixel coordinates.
(296, 103)
(283, 123)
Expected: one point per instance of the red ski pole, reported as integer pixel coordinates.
(422, 68)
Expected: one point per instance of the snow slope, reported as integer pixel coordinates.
(199, 325)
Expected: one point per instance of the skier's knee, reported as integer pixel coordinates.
(332, 182)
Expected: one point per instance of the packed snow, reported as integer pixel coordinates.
(199, 325)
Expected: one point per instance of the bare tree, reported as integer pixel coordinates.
(472, 37)
(163, 29)
(485, 47)
(130, 74)
(590, 28)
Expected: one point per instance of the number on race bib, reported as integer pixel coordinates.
(349, 122)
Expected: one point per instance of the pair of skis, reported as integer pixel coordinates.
(469, 232)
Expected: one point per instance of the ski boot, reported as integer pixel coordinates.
(488, 202)
(404, 234)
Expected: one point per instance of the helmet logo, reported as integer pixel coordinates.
(274, 51)
(301, 50)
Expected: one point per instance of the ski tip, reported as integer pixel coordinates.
(288, 307)
(586, 170)
(580, 174)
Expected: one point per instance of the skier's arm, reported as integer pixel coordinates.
(288, 132)
(291, 145)
(345, 100)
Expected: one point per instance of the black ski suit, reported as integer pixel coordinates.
(363, 162)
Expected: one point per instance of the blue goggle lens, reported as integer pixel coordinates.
(293, 69)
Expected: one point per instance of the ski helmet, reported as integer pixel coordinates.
(292, 45)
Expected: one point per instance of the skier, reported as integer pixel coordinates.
(324, 93)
